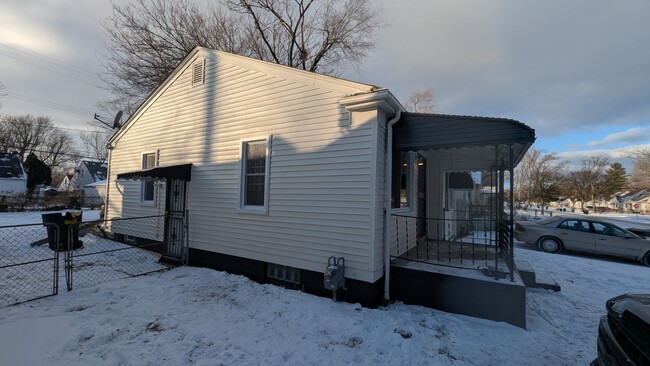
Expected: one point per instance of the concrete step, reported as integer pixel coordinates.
(534, 278)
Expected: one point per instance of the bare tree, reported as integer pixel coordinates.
(95, 144)
(540, 175)
(24, 134)
(58, 150)
(28, 134)
(640, 177)
(420, 101)
(147, 39)
(576, 186)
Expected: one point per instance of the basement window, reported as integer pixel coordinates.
(198, 73)
(283, 273)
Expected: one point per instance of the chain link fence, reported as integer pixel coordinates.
(35, 258)
(28, 268)
(114, 249)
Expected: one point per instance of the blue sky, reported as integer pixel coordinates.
(578, 72)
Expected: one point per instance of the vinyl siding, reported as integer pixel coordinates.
(320, 197)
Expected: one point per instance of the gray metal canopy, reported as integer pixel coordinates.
(418, 131)
(182, 172)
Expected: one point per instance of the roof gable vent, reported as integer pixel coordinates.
(198, 73)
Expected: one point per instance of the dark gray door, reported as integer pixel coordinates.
(175, 219)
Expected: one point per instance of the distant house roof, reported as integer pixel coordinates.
(11, 166)
(97, 170)
(97, 184)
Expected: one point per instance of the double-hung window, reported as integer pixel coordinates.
(254, 176)
(148, 188)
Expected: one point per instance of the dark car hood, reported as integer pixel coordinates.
(636, 304)
(630, 313)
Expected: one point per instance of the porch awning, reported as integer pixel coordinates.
(182, 172)
(418, 131)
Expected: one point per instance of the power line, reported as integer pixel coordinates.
(50, 70)
(69, 128)
(49, 59)
(10, 148)
(45, 103)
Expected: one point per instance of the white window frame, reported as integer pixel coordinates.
(143, 183)
(263, 210)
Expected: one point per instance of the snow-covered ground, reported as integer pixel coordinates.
(194, 316)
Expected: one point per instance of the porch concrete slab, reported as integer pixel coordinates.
(455, 254)
(460, 291)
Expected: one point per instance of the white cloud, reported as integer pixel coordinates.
(633, 135)
(621, 155)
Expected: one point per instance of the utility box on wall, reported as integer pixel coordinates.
(334, 275)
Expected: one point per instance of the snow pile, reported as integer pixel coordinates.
(195, 316)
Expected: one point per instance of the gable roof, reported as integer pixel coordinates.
(97, 170)
(307, 77)
(11, 167)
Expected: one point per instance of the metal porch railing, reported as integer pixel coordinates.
(460, 243)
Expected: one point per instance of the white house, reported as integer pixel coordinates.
(13, 179)
(95, 193)
(87, 172)
(269, 171)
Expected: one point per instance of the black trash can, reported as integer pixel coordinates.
(69, 221)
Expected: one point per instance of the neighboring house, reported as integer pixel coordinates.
(274, 170)
(13, 179)
(95, 193)
(85, 176)
(88, 172)
(66, 185)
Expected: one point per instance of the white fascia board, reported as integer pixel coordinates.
(381, 99)
(291, 73)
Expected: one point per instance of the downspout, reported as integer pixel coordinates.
(388, 186)
(110, 148)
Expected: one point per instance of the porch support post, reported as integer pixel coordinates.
(512, 216)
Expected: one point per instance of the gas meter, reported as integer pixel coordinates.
(334, 275)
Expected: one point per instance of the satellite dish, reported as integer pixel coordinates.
(118, 117)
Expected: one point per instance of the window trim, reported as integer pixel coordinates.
(144, 202)
(262, 210)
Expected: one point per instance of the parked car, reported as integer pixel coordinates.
(556, 233)
(624, 333)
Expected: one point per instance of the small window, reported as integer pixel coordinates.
(198, 73)
(606, 229)
(575, 225)
(148, 187)
(254, 174)
(283, 273)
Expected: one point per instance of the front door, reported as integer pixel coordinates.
(175, 220)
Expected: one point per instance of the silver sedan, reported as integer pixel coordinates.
(553, 234)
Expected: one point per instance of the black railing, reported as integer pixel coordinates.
(471, 243)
